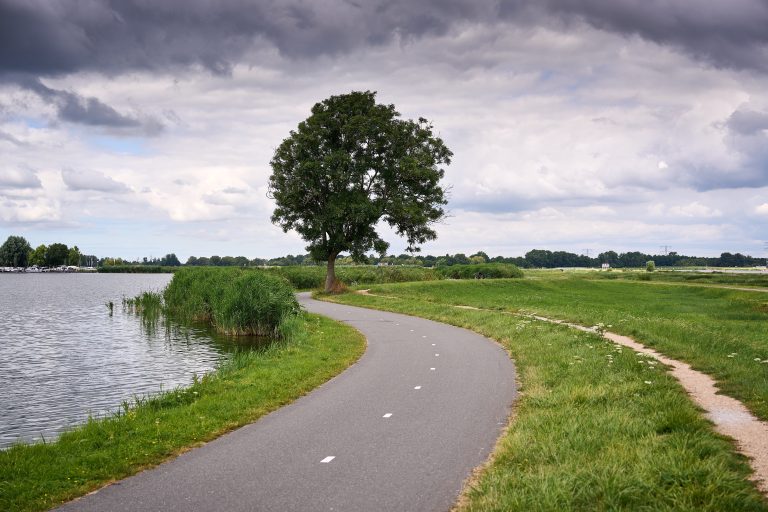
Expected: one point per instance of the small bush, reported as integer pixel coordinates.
(650, 266)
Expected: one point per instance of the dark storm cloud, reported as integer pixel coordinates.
(747, 122)
(74, 108)
(725, 33)
(51, 37)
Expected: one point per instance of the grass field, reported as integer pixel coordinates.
(722, 278)
(148, 431)
(597, 427)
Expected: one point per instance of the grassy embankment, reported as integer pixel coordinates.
(151, 430)
(597, 427)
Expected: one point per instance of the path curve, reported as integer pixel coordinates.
(334, 449)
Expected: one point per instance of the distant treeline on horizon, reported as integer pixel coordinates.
(16, 252)
(537, 258)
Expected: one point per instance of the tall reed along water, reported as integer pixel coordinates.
(63, 356)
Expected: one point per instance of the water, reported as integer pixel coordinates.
(63, 357)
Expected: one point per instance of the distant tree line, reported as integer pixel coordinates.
(537, 258)
(17, 252)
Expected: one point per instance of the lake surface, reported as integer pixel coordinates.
(63, 356)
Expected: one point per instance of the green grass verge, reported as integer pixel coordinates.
(37, 477)
(595, 428)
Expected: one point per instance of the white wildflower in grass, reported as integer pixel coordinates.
(757, 359)
(648, 382)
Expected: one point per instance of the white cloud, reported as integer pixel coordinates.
(695, 209)
(762, 209)
(77, 180)
(19, 177)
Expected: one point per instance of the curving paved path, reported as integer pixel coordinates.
(399, 430)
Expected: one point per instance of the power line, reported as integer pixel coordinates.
(665, 248)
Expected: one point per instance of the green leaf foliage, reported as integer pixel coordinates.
(352, 163)
(56, 255)
(15, 252)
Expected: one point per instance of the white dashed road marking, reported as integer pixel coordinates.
(328, 459)
(417, 387)
(432, 369)
(388, 415)
(437, 355)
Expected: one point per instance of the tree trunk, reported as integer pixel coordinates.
(330, 276)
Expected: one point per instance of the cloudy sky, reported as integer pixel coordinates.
(136, 128)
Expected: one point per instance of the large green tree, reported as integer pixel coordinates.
(37, 256)
(15, 252)
(73, 256)
(350, 164)
(56, 255)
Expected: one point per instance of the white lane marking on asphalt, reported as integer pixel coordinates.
(423, 336)
(411, 330)
(437, 355)
(434, 344)
(328, 459)
(432, 369)
(388, 415)
(416, 387)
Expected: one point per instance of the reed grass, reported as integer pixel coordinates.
(234, 301)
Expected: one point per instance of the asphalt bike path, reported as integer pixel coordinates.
(399, 430)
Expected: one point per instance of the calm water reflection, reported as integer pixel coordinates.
(63, 357)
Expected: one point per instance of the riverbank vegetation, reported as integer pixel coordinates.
(234, 301)
(597, 426)
(150, 430)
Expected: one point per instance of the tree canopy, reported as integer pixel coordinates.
(350, 164)
(56, 255)
(15, 252)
